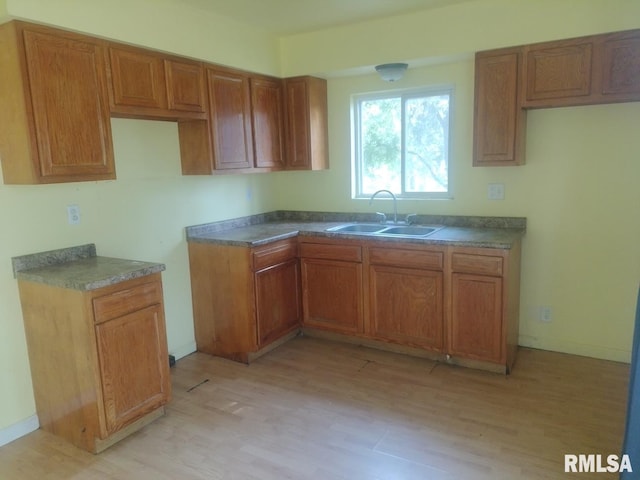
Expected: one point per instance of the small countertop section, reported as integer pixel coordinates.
(79, 268)
(486, 232)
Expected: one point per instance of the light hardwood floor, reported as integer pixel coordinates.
(313, 409)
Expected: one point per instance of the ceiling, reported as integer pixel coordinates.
(293, 16)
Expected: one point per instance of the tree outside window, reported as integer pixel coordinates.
(402, 143)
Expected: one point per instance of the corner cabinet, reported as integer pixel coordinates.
(47, 72)
(246, 300)
(98, 358)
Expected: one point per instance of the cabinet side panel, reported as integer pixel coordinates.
(223, 298)
(17, 151)
(65, 371)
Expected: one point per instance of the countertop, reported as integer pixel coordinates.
(79, 268)
(257, 234)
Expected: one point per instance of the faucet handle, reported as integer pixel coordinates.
(383, 217)
(411, 218)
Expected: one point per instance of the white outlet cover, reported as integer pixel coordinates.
(495, 191)
(73, 214)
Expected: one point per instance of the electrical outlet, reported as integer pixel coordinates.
(73, 214)
(544, 314)
(495, 191)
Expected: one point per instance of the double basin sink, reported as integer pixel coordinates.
(415, 231)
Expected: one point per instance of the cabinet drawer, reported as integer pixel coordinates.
(126, 301)
(406, 258)
(274, 254)
(481, 264)
(348, 253)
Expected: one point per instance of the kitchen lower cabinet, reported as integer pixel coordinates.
(277, 300)
(406, 292)
(332, 287)
(485, 296)
(245, 300)
(99, 361)
(476, 326)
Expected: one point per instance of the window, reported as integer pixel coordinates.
(401, 143)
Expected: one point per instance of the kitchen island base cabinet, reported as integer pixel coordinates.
(99, 361)
(245, 300)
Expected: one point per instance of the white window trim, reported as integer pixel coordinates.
(356, 141)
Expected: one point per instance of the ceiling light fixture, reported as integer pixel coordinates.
(390, 72)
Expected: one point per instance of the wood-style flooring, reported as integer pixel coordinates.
(313, 409)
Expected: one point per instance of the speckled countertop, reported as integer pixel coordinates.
(487, 232)
(79, 268)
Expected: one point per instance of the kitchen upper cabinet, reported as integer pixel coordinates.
(186, 85)
(137, 79)
(621, 67)
(332, 286)
(558, 72)
(245, 300)
(485, 292)
(306, 123)
(230, 116)
(579, 71)
(406, 292)
(147, 84)
(499, 121)
(583, 71)
(55, 107)
(99, 360)
(267, 115)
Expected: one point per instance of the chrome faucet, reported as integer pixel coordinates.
(395, 204)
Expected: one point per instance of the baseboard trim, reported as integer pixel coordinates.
(184, 350)
(20, 429)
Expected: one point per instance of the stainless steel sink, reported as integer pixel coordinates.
(414, 231)
(357, 228)
(409, 230)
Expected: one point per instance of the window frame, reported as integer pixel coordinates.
(356, 139)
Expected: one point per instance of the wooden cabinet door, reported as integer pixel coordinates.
(332, 295)
(185, 86)
(70, 108)
(230, 110)
(137, 79)
(407, 306)
(277, 301)
(621, 67)
(134, 365)
(558, 72)
(306, 123)
(499, 123)
(476, 317)
(268, 122)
